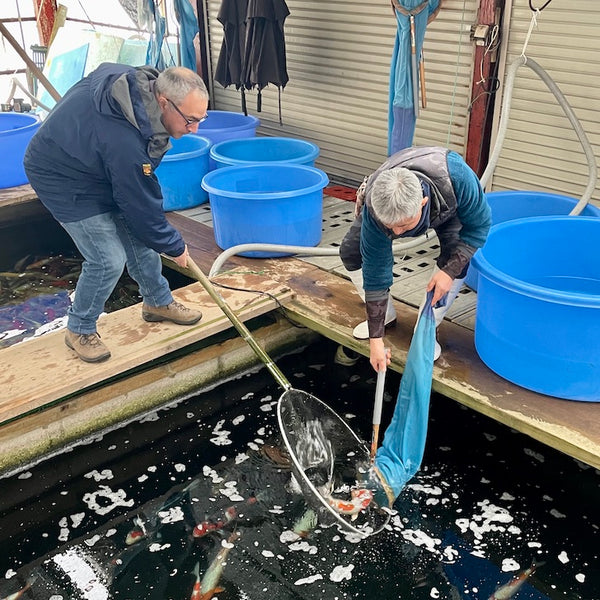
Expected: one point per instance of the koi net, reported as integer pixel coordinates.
(331, 465)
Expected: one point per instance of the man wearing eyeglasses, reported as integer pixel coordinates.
(92, 165)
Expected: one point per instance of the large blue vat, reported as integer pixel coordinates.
(16, 129)
(510, 205)
(248, 151)
(538, 311)
(266, 204)
(223, 125)
(181, 171)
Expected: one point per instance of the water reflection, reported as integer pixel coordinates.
(158, 507)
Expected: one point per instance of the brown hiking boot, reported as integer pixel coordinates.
(175, 312)
(88, 346)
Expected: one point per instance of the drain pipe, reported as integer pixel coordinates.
(587, 148)
(398, 248)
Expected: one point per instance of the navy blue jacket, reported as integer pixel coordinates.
(97, 150)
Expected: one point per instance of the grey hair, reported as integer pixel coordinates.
(396, 195)
(176, 83)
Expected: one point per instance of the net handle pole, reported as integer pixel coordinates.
(377, 412)
(199, 276)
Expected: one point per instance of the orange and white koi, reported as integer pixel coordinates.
(137, 533)
(360, 499)
(508, 590)
(208, 587)
(228, 516)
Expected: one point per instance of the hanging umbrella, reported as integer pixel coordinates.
(412, 17)
(264, 56)
(229, 71)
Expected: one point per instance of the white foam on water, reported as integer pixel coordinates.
(99, 476)
(341, 572)
(25, 475)
(149, 417)
(421, 539)
(563, 557)
(210, 472)
(309, 580)
(77, 518)
(580, 577)
(241, 457)
(268, 554)
(434, 593)
(93, 540)
(9, 574)
(535, 455)
(172, 515)
(158, 547)
(509, 565)
(239, 419)
(180, 467)
(143, 478)
(303, 546)
(556, 514)
(115, 499)
(221, 436)
(81, 575)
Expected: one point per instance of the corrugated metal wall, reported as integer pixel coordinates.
(541, 151)
(338, 54)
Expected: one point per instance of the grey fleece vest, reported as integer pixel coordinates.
(429, 163)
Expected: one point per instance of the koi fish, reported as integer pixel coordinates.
(306, 523)
(196, 593)
(137, 533)
(360, 499)
(508, 590)
(208, 587)
(228, 516)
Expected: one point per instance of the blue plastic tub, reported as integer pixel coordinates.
(538, 311)
(16, 129)
(181, 171)
(223, 125)
(266, 204)
(510, 205)
(270, 150)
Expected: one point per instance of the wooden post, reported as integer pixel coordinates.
(480, 99)
(34, 68)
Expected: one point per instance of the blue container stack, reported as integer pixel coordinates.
(16, 129)
(181, 171)
(538, 311)
(223, 125)
(266, 203)
(255, 150)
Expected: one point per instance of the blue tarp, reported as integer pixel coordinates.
(401, 452)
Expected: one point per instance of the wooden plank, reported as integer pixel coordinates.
(44, 370)
(328, 304)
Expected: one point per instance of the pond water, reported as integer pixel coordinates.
(198, 490)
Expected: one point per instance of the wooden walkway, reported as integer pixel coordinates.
(316, 295)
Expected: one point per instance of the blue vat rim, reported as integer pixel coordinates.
(527, 194)
(486, 269)
(192, 153)
(36, 121)
(251, 122)
(270, 196)
(215, 151)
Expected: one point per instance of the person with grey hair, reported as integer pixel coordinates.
(92, 164)
(415, 189)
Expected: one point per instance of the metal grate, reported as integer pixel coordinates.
(412, 270)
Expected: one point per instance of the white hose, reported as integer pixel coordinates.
(398, 248)
(587, 148)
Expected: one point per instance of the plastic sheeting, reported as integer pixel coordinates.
(401, 452)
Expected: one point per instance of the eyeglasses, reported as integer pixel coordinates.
(188, 121)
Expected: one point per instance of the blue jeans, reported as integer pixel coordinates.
(107, 245)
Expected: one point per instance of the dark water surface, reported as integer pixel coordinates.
(487, 503)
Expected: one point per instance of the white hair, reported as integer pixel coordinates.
(396, 195)
(177, 82)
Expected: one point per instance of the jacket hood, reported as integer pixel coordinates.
(129, 92)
